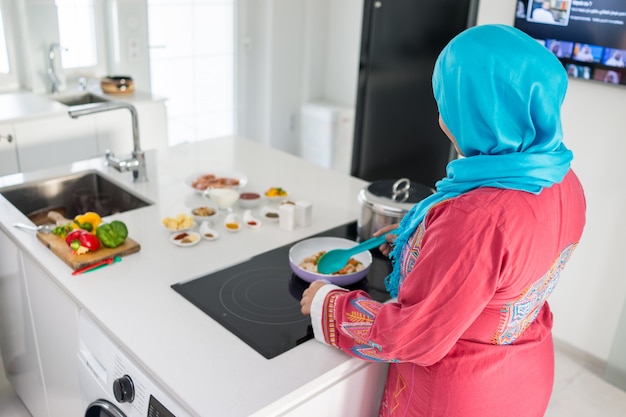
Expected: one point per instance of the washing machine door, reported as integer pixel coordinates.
(103, 408)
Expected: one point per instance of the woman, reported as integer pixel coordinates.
(470, 332)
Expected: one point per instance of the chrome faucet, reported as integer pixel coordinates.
(52, 72)
(137, 161)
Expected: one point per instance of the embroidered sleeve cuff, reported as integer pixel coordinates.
(319, 312)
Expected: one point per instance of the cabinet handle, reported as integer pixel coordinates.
(378, 4)
(8, 137)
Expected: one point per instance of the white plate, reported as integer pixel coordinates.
(243, 180)
(190, 239)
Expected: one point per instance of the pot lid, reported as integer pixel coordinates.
(393, 197)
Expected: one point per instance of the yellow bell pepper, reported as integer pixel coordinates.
(88, 221)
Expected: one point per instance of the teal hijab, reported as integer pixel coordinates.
(499, 93)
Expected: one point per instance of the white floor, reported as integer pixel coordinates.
(579, 390)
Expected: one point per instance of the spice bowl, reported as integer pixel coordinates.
(270, 214)
(249, 200)
(231, 223)
(207, 232)
(250, 221)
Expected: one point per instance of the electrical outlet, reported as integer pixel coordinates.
(133, 49)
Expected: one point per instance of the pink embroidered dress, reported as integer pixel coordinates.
(470, 332)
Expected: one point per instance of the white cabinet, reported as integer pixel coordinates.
(366, 384)
(48, 141)
(55, 319)
(115, 131)
(18, 343)
(41, 142)
(8, 150)
(38, 336)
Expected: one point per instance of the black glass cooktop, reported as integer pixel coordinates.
(259, 300)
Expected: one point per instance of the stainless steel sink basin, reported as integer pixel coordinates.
(78, 99)
(72, 195)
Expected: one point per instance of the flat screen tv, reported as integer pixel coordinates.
(588, 36)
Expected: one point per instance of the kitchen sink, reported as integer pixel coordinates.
(72, 195)
(78, 99)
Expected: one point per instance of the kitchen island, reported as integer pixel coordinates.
(201, 364)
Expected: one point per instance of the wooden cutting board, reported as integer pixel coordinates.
(58, 246)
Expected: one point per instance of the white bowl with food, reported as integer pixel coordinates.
(303, 258)
(185, 239)
(270, 214)
(250, 221)
(232, 223)
(249, 199)
(203, 213)
(178, 223)
(275, 194)
(207, 232)
(202, 180)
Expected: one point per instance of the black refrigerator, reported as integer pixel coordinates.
(396, 133)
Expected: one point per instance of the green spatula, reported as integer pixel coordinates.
(333, 260)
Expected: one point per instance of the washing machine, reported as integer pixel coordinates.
(114, 386)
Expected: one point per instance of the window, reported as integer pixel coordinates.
(77, 33)
(8, 71)
(4, 54)
(192, 64)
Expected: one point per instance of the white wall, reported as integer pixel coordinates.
(293, 52)
(589, 298)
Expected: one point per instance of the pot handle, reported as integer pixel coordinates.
(400, 190)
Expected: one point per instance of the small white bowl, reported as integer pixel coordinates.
(185, 239)
(207, 232)
(277, 198)
(232, 223)
(250, 221)
(203, 213)
(249, 200)
(270, 214)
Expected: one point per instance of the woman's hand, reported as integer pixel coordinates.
(387, 247)
(308, 295)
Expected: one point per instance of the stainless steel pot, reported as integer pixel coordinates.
(386, 202)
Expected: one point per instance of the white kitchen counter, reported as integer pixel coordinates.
(200, 363)
(27, 105)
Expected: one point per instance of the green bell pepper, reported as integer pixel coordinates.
(112, 234)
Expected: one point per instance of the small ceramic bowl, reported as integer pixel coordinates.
(203, 213)
(207, 232)
(250, 221)
(275, 195)
(248, 200)
(270, 214)
(232, 223)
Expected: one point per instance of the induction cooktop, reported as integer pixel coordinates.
(259, 300)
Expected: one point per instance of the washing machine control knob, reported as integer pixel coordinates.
(124, 389)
